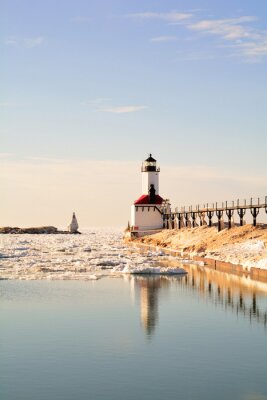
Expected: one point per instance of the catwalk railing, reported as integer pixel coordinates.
(192, 217)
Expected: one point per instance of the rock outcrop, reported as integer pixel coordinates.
(34, 230)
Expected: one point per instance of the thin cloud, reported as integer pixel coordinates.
(230, 29)
(27, 43)
(239, 34)
(33, 42)
(246, 41)
(101, 104)
(172, 16)
(253, 51)
(47, 159)
(160, 39)
(11, 42)
(123, 109)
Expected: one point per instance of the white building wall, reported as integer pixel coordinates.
(145, 218)
(150, 178)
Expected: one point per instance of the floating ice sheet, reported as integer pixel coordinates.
(92, 255)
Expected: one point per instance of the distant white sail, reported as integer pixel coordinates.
(73, 227)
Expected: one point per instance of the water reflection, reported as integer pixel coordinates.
(239, 294)
(149, 288)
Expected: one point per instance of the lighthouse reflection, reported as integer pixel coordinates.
(238, 294)
(149, 288)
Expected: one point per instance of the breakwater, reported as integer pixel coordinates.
(224, 266)
(240, 249)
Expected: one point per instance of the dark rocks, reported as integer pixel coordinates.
(37, 230)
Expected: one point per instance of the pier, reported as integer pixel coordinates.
(204, 215)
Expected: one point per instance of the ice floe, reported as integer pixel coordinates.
(147, 269)
(89, 256)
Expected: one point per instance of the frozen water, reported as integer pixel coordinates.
(147, 269)
(92, 255)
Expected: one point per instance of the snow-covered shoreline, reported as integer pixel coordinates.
(243, 246)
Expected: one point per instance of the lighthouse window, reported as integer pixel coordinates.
(142, 208)
(154, 208)
(136, 209)
(148, 208)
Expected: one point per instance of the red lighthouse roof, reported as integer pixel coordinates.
(144, 199)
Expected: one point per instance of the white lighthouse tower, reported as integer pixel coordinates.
(146, 216)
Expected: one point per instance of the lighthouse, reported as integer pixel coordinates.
(146, 213)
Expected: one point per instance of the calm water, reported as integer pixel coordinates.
(200, 336)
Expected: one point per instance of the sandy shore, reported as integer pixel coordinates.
(245, 246)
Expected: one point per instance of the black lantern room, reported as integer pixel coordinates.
(150, 164)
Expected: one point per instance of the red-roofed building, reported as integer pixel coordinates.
(144, 199)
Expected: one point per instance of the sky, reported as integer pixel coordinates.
(89, 89)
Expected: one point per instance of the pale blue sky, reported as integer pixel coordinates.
(115, 80)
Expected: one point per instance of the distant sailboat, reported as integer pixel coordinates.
(73, 227)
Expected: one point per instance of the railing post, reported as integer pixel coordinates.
(210, 215)
(179, 220)
(254, 212)
(172, 220)
(186, 215)
(219, 214)
(229, 213)
(164, 221)
(168, 221)
(241, 212)
(193, 215)
(201, 216)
